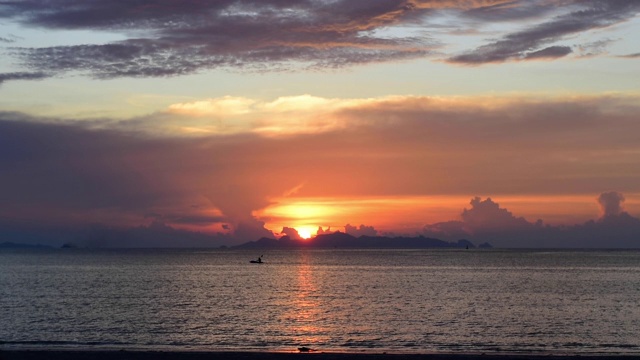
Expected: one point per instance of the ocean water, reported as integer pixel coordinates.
(487, 301)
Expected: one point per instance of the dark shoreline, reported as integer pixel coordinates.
(12, 354)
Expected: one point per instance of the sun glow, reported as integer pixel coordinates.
(305, 232)
(409, 214)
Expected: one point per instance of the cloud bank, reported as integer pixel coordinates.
(362, 230)
(66, 174)
(168, 38)
(486, 221)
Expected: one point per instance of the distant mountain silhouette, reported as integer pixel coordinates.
(12, 245)
(342, 240)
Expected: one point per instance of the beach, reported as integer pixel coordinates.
(239, 355)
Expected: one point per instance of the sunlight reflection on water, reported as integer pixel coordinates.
(306, 306)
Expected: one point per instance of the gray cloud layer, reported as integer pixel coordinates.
(172, 38)
(183, 37)
(532, 43)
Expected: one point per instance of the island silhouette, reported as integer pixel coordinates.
(343, 240)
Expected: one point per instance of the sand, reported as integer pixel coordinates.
(171, 355)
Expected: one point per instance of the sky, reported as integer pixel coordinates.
(205, 123)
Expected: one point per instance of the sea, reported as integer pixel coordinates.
(343, 300)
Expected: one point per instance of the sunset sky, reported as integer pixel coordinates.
(219, 122)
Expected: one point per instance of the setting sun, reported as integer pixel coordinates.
(305, 232)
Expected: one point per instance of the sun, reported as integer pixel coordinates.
(305, 232)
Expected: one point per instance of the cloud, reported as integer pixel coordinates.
(321, 231)
(487, 216)
(166, 38)
(506, 11)
(552, 52)
(305, 114)
(285, 115)
(196, 220)
(22, 76)
(611, 203)
(250, 230)
(179, 39)
(291, 233)
(70, 175)
(594, 48)
(631, 56)
(532, 42)
(10, 38)
(486, 221)
(362, 230)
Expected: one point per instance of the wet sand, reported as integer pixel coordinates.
(170, 355)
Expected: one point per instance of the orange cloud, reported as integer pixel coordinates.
(306, 114)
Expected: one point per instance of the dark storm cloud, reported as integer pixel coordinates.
(531, 43)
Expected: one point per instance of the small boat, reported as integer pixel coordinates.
(259, 261)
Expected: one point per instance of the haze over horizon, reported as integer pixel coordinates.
(182, 123)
